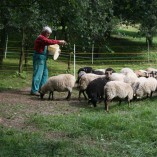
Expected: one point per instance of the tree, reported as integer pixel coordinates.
(22, 16)
(78, 21)
(25, 20)
(140, 12)
(93, 21)
(5, 15)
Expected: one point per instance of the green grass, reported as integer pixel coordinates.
(122, 132)
(72, 128)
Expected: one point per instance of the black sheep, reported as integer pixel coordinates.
(85, 69)
(98, 72)
(110, 70)
(95, 90)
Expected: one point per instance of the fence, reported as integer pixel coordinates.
(75, 57)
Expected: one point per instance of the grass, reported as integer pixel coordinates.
(122, 132)
(71, 128)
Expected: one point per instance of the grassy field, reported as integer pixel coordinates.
(30, 127)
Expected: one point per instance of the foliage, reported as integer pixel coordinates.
(77, 21)
(140, 12)
(94, 21)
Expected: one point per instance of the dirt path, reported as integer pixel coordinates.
(16, 106)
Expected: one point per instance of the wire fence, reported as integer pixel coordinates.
(82, 58)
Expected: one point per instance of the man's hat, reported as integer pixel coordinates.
(54, 50)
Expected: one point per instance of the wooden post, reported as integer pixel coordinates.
(6, 47)
(148, 51)
(74, 62)
(92, 52)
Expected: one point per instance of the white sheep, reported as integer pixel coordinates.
(115, 76)
(84, 80)
(130, 77)
(60, 83)
(142, 73)
(135, 85)
(146, 87)
(152, 72)
(117, 89)
(150, 69)
(127, 76)
(126, 70)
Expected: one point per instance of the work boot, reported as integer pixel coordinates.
(35, 94)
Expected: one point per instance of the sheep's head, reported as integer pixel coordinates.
(93, 100)
(108, 74)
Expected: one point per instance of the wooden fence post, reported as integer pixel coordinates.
(74, 61)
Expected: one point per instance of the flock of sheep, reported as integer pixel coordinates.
(104, 84)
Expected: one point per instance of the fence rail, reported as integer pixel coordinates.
(75, 56)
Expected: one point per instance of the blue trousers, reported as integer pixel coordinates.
(40, 72)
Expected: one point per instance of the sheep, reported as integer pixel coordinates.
(115, 76)
(103, 71)
(152, 72)
(127, 76)
(97, 72)
(84, 69)
(126, 70)
(135, 85)
(151, 69)
(142, 73)
(84, 81)
(146, 87)
(117, 89)
(110, 70)
(60, 83)
(137, 82)
(95, 90)
(130, 77)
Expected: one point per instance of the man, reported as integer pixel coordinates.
(40, 71)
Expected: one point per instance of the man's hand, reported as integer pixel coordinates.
(62, 42)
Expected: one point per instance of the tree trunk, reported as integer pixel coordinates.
(2, 45)
(149, 40)
(26, 57)
(22, 54)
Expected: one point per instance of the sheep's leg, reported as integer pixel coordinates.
(69, 95)
(120, 101)
(129, 103)
(80, 91)
(79, 94)
(151, 94)
(107, 104)
(84, 95)
(51, 95)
